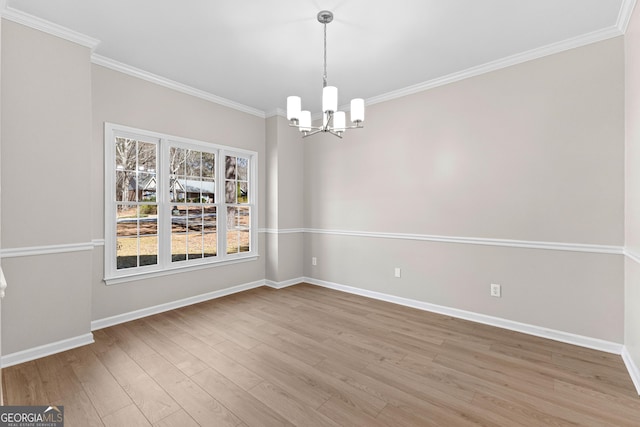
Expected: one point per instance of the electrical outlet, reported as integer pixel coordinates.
(496, 290)
(314, 261)
(396, 272)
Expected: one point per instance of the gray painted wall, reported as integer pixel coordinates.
(46, 194)
(532, 152)
(284, 205)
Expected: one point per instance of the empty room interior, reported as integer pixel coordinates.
(195, 229)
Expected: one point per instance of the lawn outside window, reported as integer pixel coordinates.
(173, 203)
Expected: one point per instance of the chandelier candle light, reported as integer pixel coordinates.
(333, 121)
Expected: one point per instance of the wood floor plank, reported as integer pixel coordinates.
(129, 416)
(104, 391)
(78, 410)
(288, 406)
(127, 341)
(353, 397)
(249, 409)
(177, 419)
(234, 371)
(310, 356)
(410, 405)
(153, 334)
(278, 374)
(201, 406)
(345, 414)
(153, 402)
(58, 380)
(21, 385)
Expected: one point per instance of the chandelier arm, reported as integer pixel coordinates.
(312, 133)
(298, 126)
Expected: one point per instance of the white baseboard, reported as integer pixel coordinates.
(149, 311)
(285, 284)
(633, 369)
(588, 342)
(45, 350)
(566, 337)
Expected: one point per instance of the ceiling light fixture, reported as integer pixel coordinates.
(333, 121)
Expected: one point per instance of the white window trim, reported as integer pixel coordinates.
(165, 266)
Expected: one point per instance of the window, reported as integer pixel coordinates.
(162, 213)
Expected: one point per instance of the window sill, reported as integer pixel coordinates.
(114, 280)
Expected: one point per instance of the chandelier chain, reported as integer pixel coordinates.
(324, 76)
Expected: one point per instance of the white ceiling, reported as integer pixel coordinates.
(257, 52)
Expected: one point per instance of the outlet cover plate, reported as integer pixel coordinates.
(496, 290)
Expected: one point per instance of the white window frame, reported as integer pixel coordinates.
(165, 265)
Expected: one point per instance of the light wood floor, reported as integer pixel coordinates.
(310, 356)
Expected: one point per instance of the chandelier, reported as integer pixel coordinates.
(333, 121)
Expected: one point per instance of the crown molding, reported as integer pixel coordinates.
(171, 84)
(626, 9)
(508, 61)
(276, 112)
(619, 29)
(47, 27)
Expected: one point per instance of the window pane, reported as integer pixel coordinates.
(230, 192)
(194, 219)
(243, 169)
(233, 245)
(126, 220)
(126, 158)
(146, 187)
(210, 244)
(148, 219)
(146, 157)
(126, 252)
(208, 191)
(194, 243)
(176, 161)
(208, 165)
(193, 163)
(243, 192)
(148, 250)
(125, 186)
(232, 217)
(243, 217)
(230, 167)
(177, 189)
(178, 247)
(179, 219)
(209, 219)
(244, 239)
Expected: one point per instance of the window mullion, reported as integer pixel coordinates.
(222, 207)
(164, 206)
